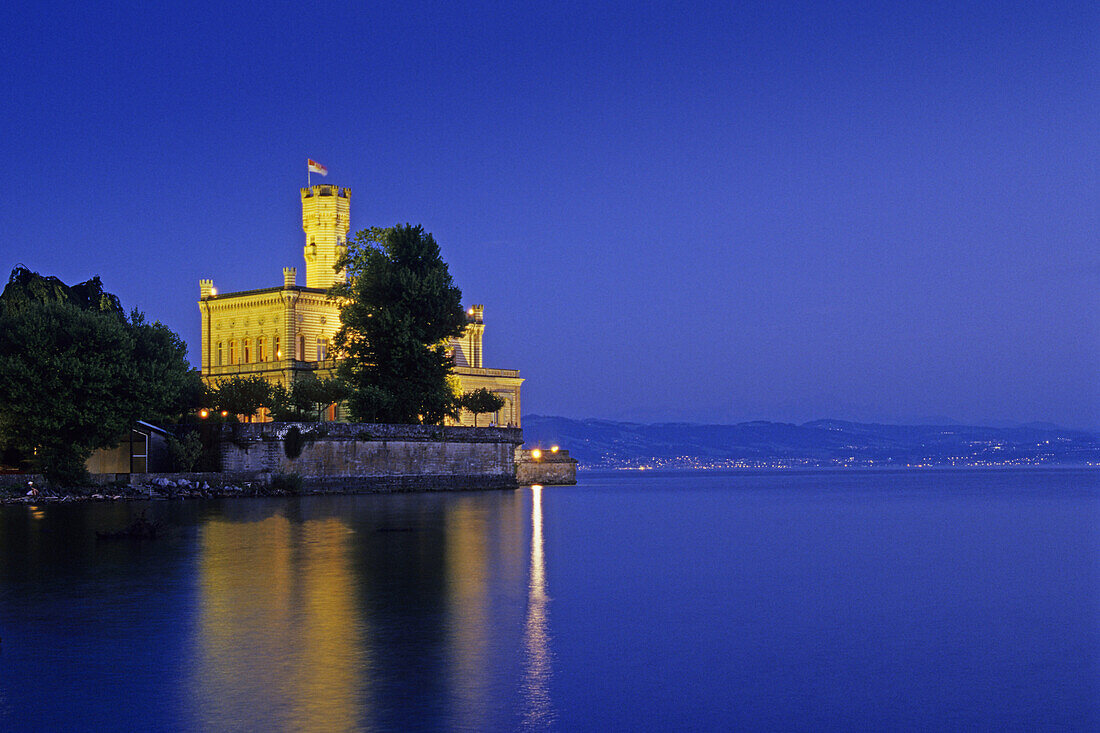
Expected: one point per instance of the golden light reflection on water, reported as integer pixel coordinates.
(538, 711)
(467, 586)
(278, 626)
(304, 623)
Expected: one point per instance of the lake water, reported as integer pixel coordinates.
(857, 600)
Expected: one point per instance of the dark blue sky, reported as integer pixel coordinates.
(670, 211)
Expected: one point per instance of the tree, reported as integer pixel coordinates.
(241, 395)
(399, 308)
(165, 385)
(75, 373)
(307, 394)
(480, 401)
(318, 394)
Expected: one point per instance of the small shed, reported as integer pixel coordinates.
(143, 450)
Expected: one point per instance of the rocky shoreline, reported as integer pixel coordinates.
(160, 489)
(164, 489)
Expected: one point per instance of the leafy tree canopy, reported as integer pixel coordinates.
(241, 395)
(399, 307)
(25, 287)
(307, 397)
(75, 373)
(480, 401)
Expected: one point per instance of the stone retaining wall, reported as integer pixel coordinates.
(370, 457)
(549, 469)
(347, 457)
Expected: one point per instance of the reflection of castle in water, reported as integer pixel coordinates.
(369, 612)
(279, 625)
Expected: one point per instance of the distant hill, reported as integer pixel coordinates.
(609, 444)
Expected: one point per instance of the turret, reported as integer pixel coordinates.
(206, 288)
(326, 221)
(475, 331)
(290, 275)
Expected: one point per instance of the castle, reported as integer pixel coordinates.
(282, 332)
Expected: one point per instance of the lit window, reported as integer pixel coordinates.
(275, 349)
(246, 351)
(232, 352)
(322, 349)
(261, 349)
(220, 362)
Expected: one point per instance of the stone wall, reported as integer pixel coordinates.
(548, 469)
(361, 456)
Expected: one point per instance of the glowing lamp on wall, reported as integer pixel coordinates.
(204, 414)
(554, 449)
(536, 454)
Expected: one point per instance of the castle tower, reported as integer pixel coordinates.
(325, 220)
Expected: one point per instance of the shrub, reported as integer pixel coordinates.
(184, 452)
(293, 443)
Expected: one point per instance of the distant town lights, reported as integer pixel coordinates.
(204, 414)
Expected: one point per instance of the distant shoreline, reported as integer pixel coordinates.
(835, 469)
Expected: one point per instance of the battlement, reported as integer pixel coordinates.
(326, 189)
(290, 274)
(475, 314)
(206, 288)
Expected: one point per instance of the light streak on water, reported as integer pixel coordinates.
(538, 712)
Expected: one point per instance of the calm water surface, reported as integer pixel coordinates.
(935, 600)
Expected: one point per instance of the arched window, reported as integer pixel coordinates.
(301, 348)
(276, 350)
(219, 362)
(322, 349)
(233, 352)
(261, 349)
(246, 351)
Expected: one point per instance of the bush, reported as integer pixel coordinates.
(293, 443)
(184, 452)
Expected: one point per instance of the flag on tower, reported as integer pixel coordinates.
(315, 167)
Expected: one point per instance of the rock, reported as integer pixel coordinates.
(184, 483)
(98, 496)
(160, 481)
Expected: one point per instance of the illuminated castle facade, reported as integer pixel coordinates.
(288, 330)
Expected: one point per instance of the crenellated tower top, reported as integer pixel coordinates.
(326, 221)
